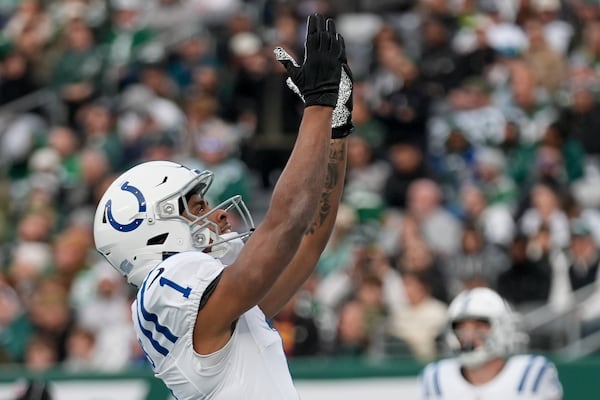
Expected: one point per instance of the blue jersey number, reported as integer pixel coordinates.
(185, 291)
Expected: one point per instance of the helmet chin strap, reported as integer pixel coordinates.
(475, 358)
(228, 250)
(227, 246)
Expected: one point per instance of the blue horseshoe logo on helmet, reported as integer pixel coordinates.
(141, 208)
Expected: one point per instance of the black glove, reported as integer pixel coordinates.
(317, 79)
(341, 121)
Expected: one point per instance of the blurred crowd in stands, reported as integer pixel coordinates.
(475, 161)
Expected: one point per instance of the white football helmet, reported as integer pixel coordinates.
(484, 304)
(139, 222)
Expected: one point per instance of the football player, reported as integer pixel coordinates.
(482, 331)
(208, 282)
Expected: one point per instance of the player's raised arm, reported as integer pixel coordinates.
(295, 197)
(316, 237)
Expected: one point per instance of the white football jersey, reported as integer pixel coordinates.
(250, 366)
(524, 377)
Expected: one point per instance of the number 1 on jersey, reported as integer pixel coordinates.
(184, 291)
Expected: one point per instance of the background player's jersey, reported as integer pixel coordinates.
(524, 377)
(250, 366)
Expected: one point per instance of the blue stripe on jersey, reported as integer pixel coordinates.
(540, 374)
(151, 317)
(527, 369)
(148, 335)
(436, 379)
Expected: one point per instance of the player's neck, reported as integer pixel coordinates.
(485, 373)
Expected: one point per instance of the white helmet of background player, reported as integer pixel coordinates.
(139, 222)
(483, 304)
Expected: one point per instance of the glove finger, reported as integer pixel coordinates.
(285, 58)
(330, 26)
(316, 23)
(322, 25)
(326, 41)
(342, 56)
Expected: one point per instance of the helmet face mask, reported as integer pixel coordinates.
(207, 233)
(144, 217)
(473, 344)
(471, 333)
(481, 327)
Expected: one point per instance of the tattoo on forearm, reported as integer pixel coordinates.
(336, 155)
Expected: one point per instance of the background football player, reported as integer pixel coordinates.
(482, 332)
